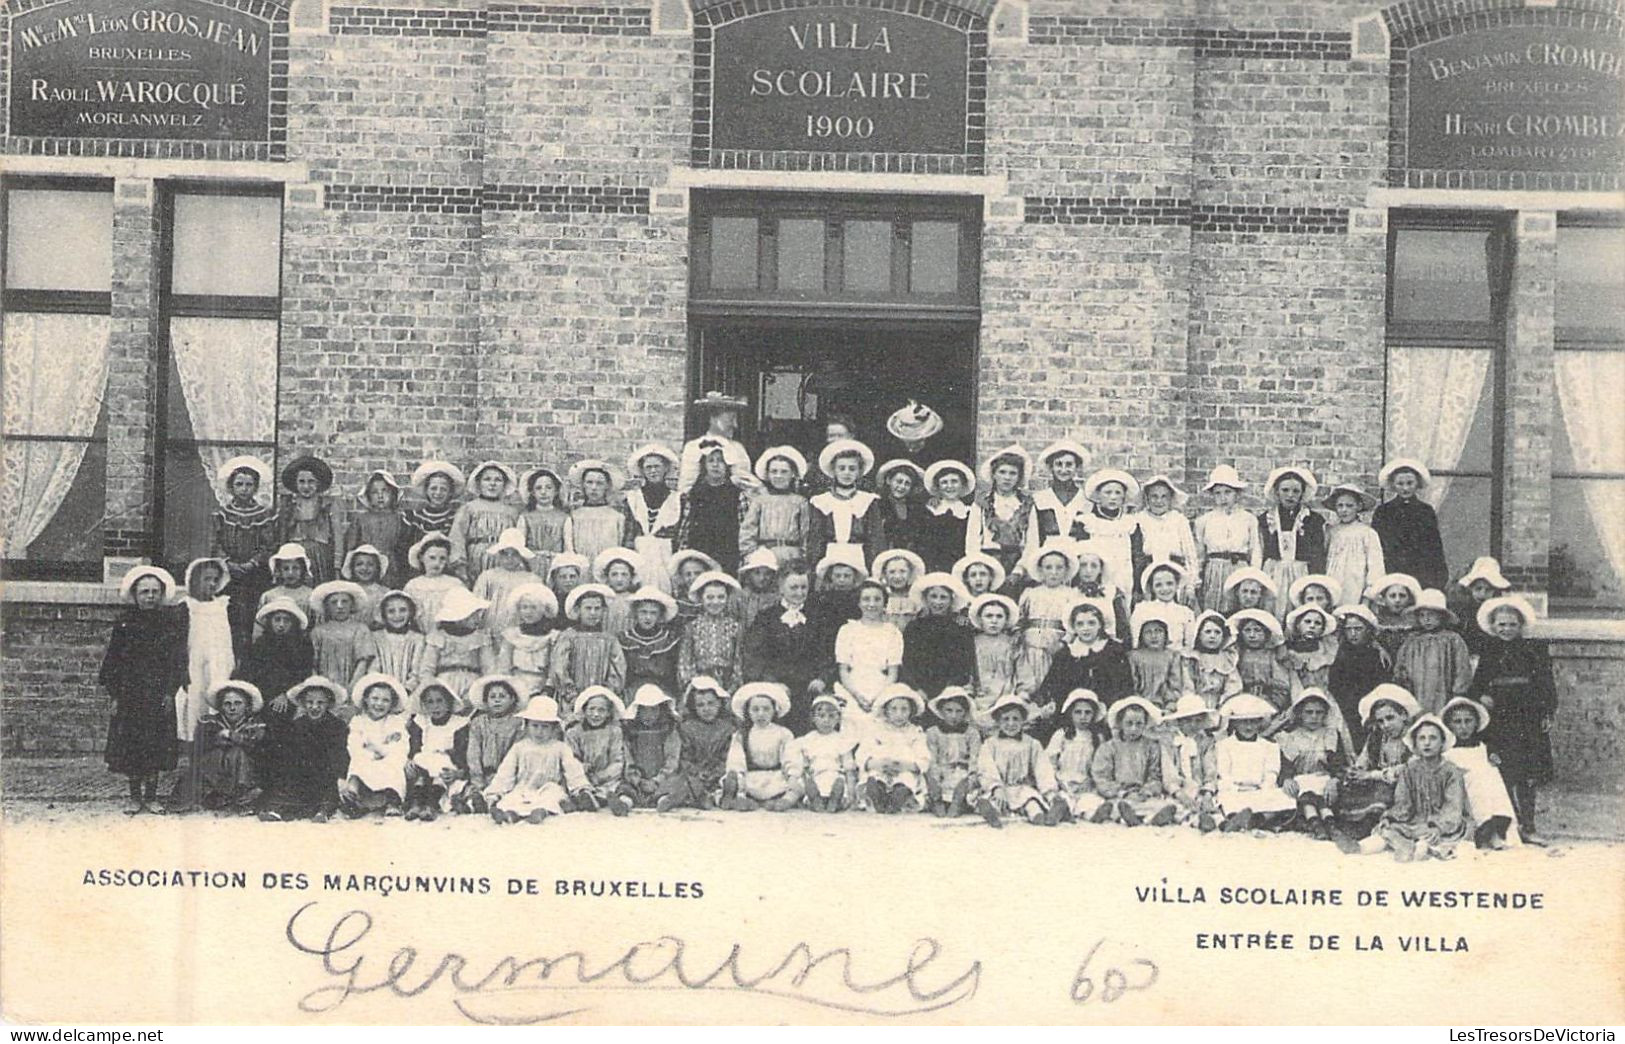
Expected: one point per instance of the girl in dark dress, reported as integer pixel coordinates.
(146, 663)
(712, 511)
(938, 650)
(282, 656)
(901, 505)
(1514, 683)
(1361, 664)
(303, 761)
(244, 533)
(1087, 659)
(1408, 527)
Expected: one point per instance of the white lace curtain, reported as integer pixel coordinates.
(1588, 386)
(55, 373)
(1433, 394)
(227, 372)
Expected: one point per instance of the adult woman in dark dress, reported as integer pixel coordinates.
(145, 664)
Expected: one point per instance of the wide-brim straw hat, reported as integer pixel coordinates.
(256, 699)
(1245, 573)
(414, 554)
(568, 560)
(430, 468)
(324, 591)
(364, 549)
(914, 422)
(126, 586)
(1329, 500)
(572, 601)
(1010, 699)
(1424, 477)
(899, 691)
(715, 576)
(487, 465)
(510, 539)
(1179, 571)
(397, 596)
(610, 555)
(1359, 612)
(1266, 620)
(1486, 568)
(1398, 695)
(289, 552)
(1387, 580)
(829, 698)
(886, 558)
(778, 694)
(225, 573)
(538, 592)
(706, 683)
(282, 605)
(715, 401)
(1083, 696)
(635, 459)
(1517, 603)
(459, 603)
(254, 465)
(578, 706)
(1301, 611)
(1064, 548)
(1060, 446)
(528, 479)
(884, 472)
(316, 681)
(1303, 583)
(675, 562)
(950, 692)
(982, 601)
(944, 467)
(1114, 713)
(478, 688)
(1223, 475)
(1155, 612)
(945, 581)
(850, 555)
(1106, 476)
(650, 593)
(540, 708)
(451, 694)
(1298, 471)
(842, 447)
(789, 454)
(1313, 692)
(993, 564)
(358, 691)
(1436, 722)
(1246, 707)
(1433, 600)
(1013, 452)
(313, 464)
(647, 695)
(366, 483)
(1192, 706)
(761, 558)
(1473, 705)
(1217, 617)
(1178, 496)
(617, 477)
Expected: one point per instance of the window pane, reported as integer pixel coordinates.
(228, 245)
(867, 256)
(1441, 275)
(733, 253)
(1588, 543)
(934, 257)
(1441, 407)
(1591, 281)
(190, 496)
(801, 254)
(222, 379)
(1588, 433)
(1464, 520)
(59, 240)
(74, 533)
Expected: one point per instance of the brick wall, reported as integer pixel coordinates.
(50, 658)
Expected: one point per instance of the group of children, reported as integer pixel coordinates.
(771, 635)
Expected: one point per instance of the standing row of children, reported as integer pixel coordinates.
(1101, 586)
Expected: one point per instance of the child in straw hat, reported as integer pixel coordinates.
(1249, 768)
(1226, 536)
(307, 757)
(343, 644)
(778, 519)
(1158, 669)
(539, 774)
(1071, 751)
(1488, 801)
(650, 644)
(227, 747)
(378, 747)
(827, 764)
(1209, 668)
(1014, 773)
(379, 523)
(712, 641)
(595, 738)
(705, 735)
(761, 762)
(1001, 669)
(586, 654)
(491, 733)
(893, 756)
(653, 749)
(938, 650)
(1127, 769)
(437, 744)
(1368, 788)
(546, 521)
(654, 512)
(305, 514)
(1433, 662)
(759, 583)
(620, 570)
(1257, 638)
(1514, 683)
(1429, 815)
(243, 532)
(1361, 663)
(525, 649)
(144, 666)
(1190, 764)
(484, 518)
(1087, 660)
(435, 483)
(955, 745)
(506, 569)
(281, 656)
(1313, 757)
(1354, 558)
(1408, 526)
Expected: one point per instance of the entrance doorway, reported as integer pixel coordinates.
(813, 305)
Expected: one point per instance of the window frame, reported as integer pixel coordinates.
(176, 306)
(1488, 336)
(1582, 339)
(58, 302)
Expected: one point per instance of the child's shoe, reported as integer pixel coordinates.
(1204, 823)
(1126, 813)
(1164, 816)
(1103, 813)
(1236, 822)
(497, 815)
(663, 803)
(989, 813)
(621, 806)
(428, 813)
(879, 799)
(1052, 814)
(536, 816)
(584, 801)
(476, 803)
(392, 810)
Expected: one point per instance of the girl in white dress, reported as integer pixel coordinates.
(1353, 549)
(209, 655)
(1166, 534)
(894, 756)
(868, 654)
(378, 746)
(539, 772)
(1495, 823)
(1250, 767)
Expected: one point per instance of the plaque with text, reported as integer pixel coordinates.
(171, 69)
(840, 79)
(1517, 98)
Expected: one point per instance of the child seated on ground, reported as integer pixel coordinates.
(491, 733)
(1313, 757)
(1429, 813)
(1250, 768)
(1127, 770)
(1190, 765)
(705, 735)
(1013, 772)
(760, 762)
(437, 741)
(828, 768)
(1488, 802)
(308, 758)
(378, 748)
(539, 773)
(1071, 751)
(596, 740)
(955, 745)
(893, 755)
(653, 749)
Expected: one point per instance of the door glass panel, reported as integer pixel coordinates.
(733, 253)
(934, 257)
(801, 254)
(867, 256)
